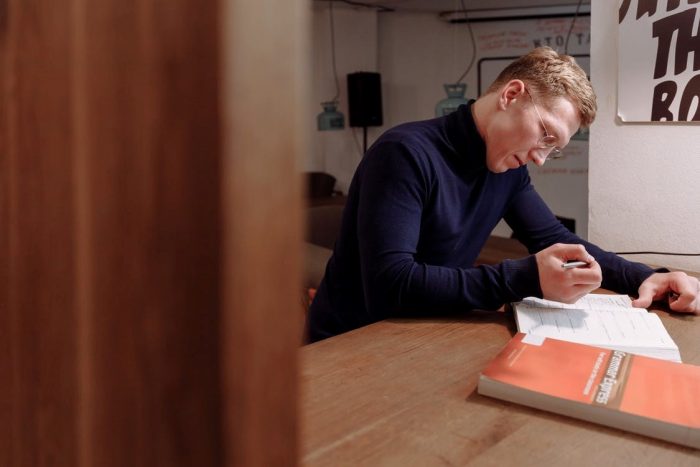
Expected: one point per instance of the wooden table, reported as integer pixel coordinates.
(403, 392)
(497, 249)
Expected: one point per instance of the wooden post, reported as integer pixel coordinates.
(149, 232)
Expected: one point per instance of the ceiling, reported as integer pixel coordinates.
(450, 5)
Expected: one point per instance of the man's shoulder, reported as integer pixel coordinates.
(419, 139)
(413, 132)
(403, 152)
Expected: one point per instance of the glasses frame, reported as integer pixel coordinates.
(547, 141)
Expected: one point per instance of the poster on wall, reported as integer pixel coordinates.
(659, 61)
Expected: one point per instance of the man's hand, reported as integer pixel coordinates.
(567, 285)
(681, 290)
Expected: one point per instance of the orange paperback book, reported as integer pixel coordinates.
(644, 395)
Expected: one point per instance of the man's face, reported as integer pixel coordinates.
(514, 137)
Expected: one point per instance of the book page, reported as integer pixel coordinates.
(632, 326)
(587, 302)
(601, 320)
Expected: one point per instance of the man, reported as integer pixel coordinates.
(428, 194)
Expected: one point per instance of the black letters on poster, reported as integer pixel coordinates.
(679, 25)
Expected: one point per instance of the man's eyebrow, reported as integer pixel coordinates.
(554, 131)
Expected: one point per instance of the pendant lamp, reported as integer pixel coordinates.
(331, 118)
(455, 91)
(455, 98)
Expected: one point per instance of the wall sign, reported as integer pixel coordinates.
(659, 60)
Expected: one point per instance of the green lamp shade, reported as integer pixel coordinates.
(455, 98)
(330, 118)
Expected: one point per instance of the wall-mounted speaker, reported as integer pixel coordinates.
(365, 99)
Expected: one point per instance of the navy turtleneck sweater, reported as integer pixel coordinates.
(420, 207)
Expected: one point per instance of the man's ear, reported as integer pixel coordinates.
(510, 92)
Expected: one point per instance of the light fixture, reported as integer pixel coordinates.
(331, 118)
(455, 98)
(455, 91)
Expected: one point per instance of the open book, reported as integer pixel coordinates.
(600, 320)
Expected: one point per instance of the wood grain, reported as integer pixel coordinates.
(147, 267)
(403, 392)
(265, 72)
(496, 249)
(149, 158)
(38, 223)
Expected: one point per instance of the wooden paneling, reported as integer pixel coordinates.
(149, 155)
(264, 72)
(38, 248)
(147, 268)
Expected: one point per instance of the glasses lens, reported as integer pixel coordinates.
(550, 151)
(548, 141)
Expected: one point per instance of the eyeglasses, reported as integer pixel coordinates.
(547, 141)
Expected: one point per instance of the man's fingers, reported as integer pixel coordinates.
(589, 275)
(681, 291)
(684, 302)
(567, 284)
(580, 291)
(572, 252)
(646, 296)
(642, 301)
(687, 297)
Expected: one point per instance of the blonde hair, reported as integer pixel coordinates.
(552, 75)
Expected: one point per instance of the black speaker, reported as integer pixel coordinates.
(365, 99)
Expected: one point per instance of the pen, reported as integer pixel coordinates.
(574, 264)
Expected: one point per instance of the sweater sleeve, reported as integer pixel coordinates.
(536, 227)
(396, 186)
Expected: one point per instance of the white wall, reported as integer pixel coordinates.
(644, 179)
(418, 53)
(338, 152)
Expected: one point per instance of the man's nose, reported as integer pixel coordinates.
(539, 156)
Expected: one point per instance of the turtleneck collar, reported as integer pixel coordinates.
(468, 144)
